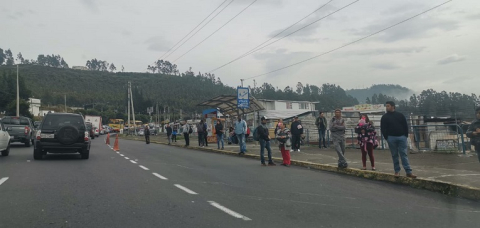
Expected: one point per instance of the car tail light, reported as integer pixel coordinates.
(86, 136)
(38, 136)
(27, 130)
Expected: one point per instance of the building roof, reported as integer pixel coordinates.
(313, 102)
(228, 105)
(283, 114)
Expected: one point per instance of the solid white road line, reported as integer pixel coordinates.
(143, 167)
(228, 211)
(185, 189)
(132, 161)
(3, 180)
(160, 176)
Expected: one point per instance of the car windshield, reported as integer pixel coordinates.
(54, 122)
(15, 121)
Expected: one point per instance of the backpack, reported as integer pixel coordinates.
(190, 130)
(200, 128)
(255, 134)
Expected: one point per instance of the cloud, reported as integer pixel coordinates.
(277, 59)
(451, 59)
(417, 28)
(90, 4)
(385, 66)
(474, 17)
(157, 43)
(126, 33)
(386, 51)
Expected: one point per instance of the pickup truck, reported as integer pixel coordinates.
(20, 129)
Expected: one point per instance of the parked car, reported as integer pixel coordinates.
(90, 130)
(20, 129)
(4, 140)
(62, 133)
(141, 132)
(96, 132)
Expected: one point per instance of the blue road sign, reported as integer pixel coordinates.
(243, 97)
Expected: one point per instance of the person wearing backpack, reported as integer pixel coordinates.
(219, 131)
(187, 130)
(201, 132)
(261, 134)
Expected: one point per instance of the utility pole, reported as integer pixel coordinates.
(65, 102)
(18, 96)
(128, 121)
(133, 110)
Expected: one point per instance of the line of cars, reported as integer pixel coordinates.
(57, 133)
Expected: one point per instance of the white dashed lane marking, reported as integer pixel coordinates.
(160, 176)
(3, 180)
(132, 161)
(143, 167)
(186, 189)
(228, 211)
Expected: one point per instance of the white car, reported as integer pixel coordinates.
(4, 140)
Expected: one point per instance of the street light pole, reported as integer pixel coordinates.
(18, 96)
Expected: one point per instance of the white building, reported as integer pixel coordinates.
(279, 105)
(34, 106)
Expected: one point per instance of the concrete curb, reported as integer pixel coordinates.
(446, 188)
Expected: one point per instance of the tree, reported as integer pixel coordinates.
(23, 108)
(368, 100)
(9, 58)
(2, 56)
(299, 88)
(112, 67)
(97, 65)
(20, 58)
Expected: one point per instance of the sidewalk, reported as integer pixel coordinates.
(443, 168)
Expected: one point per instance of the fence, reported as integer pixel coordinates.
(434, 138)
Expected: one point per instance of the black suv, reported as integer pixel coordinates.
(62, 133)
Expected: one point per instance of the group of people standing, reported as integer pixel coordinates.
(394, 130)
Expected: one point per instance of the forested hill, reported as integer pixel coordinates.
(177, 91)
(397, 91)
(86, 87)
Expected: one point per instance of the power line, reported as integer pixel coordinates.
(216, 30)
(200, 28)
(259, 48)
(193, 29)
(375, 33)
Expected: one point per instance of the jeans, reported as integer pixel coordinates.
(219, 139)
(398, 147)
(241, 143)
(187, 139)
(265, 144)
(169, 139)
(321, 136)
(201, 139)
(147, 139)
(340, 148)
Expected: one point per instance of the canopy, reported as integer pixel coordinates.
(228, 105)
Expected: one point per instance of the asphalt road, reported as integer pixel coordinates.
(161, 186)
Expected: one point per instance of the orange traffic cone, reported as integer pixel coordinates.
(115, 146)
(108, 139)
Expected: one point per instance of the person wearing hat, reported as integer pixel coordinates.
(297, 130)
(264, 139)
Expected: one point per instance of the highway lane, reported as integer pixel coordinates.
(174, 187)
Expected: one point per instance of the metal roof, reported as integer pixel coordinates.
(228, 105)
(283, 114)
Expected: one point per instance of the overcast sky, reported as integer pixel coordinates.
(438, 50)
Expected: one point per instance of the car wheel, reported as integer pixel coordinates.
(27, 143)
(37, 154)
(6, 151)
(85, 154)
